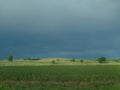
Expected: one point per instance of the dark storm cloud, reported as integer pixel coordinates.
(60, 28)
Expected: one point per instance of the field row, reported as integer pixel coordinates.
(92, 77)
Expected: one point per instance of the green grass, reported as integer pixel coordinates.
(60, 77)
(63, 74)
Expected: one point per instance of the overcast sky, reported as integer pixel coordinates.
(60, 28)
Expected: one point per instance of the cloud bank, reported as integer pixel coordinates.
(60, 28)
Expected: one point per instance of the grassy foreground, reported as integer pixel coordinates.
(61, 75)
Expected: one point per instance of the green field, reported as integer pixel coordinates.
(44, 75)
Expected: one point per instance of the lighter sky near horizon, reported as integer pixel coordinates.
(60, 28)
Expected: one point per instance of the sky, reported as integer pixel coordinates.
(60, 28)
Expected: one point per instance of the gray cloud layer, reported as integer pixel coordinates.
(60, 28)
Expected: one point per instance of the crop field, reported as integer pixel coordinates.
(60, 77)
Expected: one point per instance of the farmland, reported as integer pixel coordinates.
(56, 76)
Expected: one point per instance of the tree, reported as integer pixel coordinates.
(102, 60)
(81, 61)
(73, 60)
(10, 58)
(53, 62)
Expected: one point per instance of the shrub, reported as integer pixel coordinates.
(57, 59)
(31, 58)
(81, 61)
(102, 60)
(53, 62)
(116, 60)
(10, 58)
(73, 60)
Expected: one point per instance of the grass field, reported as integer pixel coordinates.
(61, 75)
(62, 61)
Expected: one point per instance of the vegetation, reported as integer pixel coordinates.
(59, 74)
(31, 58)
(81, 61)
(57, 59)
(62, 61)
(73, 60)
(53, 61)
(90, 77)
(10, 58)
(102, 60)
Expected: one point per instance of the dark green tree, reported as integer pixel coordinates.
(102, 60)
(73, 60)
(81, 61)
(10, 58)
(53, 62)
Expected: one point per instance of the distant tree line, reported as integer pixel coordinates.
(74, 60)
(31, 58)
(100, 59)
